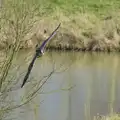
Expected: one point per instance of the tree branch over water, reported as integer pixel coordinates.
(15, 24)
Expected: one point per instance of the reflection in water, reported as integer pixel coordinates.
(96, 79)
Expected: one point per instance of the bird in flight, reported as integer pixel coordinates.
(39, 53)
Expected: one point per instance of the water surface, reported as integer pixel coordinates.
(94, 80)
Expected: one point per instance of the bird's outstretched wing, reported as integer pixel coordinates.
(36, 55)
(29, 70)
(49, 38)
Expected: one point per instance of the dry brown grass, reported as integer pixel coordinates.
(110, 117)
(81, 31)
(78, 32)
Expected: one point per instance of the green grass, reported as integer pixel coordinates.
(71, 7)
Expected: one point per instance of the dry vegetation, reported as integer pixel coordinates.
(86, 28)
(83, 32)
(110, 117)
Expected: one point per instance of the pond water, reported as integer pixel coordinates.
(83, 85)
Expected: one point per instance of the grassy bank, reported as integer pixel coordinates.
(111, 117)
(85, 25)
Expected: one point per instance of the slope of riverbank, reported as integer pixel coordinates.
(84, 32)
(85, 26)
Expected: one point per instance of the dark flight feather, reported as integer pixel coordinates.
(49, 38)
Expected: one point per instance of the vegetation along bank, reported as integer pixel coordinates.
(85, 25)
